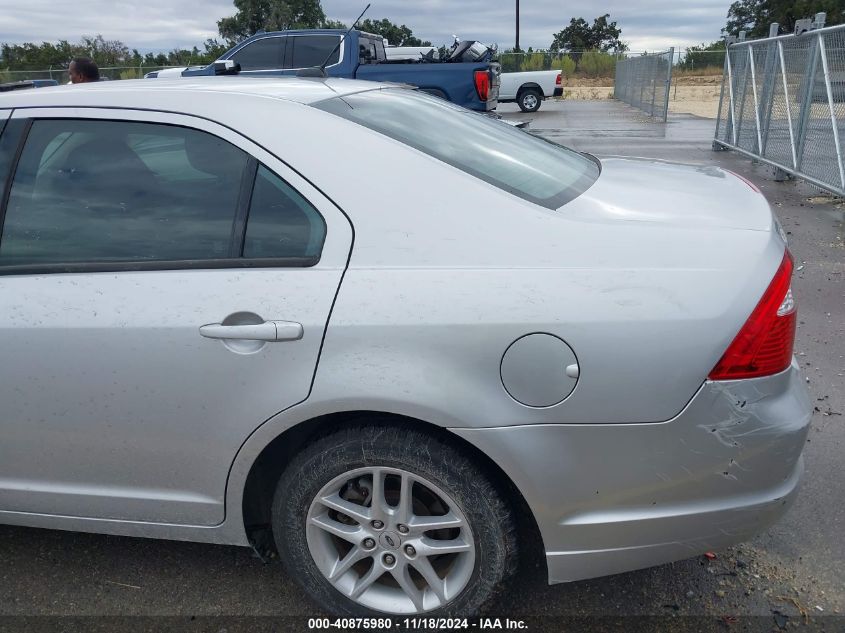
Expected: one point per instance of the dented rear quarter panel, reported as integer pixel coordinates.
(722, 470)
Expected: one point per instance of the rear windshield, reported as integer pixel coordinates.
(517, 162)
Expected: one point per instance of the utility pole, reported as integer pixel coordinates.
(517, 25)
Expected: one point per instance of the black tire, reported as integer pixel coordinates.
(529, 100)
(488, 517)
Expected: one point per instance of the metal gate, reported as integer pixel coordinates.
(644, 81)
(783, 103)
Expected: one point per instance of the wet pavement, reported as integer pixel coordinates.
(796, 568)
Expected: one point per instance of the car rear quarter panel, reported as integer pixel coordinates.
(611, 498)
(447, 271)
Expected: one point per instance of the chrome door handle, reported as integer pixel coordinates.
(267, 331)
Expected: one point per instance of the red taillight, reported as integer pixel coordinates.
(764, 344)
(482, 84)
(558, 80)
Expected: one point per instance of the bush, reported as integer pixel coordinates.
(597, 64)
(509, 61)
(534, 61)
(565, 64)
(130, 73)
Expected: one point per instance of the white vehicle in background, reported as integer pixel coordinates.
(528, 89)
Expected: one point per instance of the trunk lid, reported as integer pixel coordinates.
(669, 194)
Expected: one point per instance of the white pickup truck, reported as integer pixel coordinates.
(529, 89)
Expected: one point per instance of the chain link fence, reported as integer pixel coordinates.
(783, 103)
(644, 82)
(593, 64)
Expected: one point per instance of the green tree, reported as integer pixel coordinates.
(755, 16)
(106, 52)
(212, 50)
(271, 15)
(580, 36)
(703, 55)
(333, 24)
(746, 15)
(152, 59)
(31, 56)
(396, 34)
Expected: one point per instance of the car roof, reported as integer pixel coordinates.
(146, 93)
(259, 35)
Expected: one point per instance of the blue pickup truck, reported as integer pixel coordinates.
(472, 84)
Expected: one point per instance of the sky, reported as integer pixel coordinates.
(160, 25)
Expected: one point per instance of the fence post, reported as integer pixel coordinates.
(725, 74)
(806, 102)
(742, 100)
(752, 62)
(769, 83)
(639, 78)
(788, 106)
(675, 96)
(668, 83)
(829, 89)
(653, 63)
(732, 98)
(616, 79)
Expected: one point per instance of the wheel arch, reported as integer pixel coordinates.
(530, 86)
(266, 468)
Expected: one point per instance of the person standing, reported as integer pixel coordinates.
(83, 70)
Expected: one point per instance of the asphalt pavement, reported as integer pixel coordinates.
(792, 575)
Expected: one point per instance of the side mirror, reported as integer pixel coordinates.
(226, 67)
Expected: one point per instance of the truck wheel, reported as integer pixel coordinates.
(375, 521)
(529, 100)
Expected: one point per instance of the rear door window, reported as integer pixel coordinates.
(264, 54)
(308, 51)
(116, 191)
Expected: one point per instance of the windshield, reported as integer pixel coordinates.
(517, 162)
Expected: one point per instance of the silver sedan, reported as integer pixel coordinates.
(403, 344)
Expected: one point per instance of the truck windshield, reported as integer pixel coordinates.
(517, 162)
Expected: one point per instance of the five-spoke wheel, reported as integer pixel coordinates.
(375, 520)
